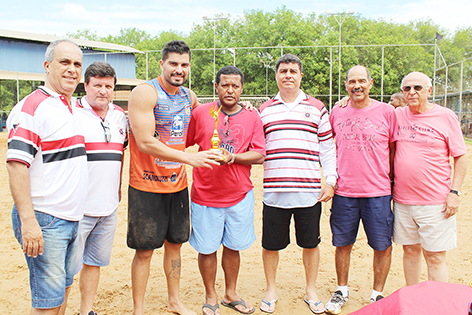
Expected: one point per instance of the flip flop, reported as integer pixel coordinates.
(233, 305)
(212, 307)
(269, 304)
(309, 302)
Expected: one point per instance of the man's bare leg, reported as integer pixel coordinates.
(343, 261)
(62, 308)
(311, 261)
(140, 268)
(271, 261)
(437, 266)
(381, 265)
(172, 265)
(89, 278)
(208, 266)
(230, 261)
(412, 263)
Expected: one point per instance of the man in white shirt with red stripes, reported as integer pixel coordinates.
(47, 165)
(104, 127)
(298, 139)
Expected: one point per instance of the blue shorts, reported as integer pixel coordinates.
(233, 226)
(377, 218)
(53, 271)
(95, 240)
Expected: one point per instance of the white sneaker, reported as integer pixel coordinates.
(336, 302)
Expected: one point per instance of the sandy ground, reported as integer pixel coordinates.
(114, 292)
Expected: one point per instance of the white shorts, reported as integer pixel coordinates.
(95, 237)
(424, 225)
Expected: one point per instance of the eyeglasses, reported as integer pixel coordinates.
(106, 129)
(407, 88)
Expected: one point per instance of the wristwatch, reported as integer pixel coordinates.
(457, 192)
(332, 184)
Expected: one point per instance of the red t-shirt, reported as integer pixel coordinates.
(224, 185)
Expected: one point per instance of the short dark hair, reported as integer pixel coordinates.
(99, 69)
(288, 58)
(367, 70)
(399, 95)
(175, 46)
(229, 70)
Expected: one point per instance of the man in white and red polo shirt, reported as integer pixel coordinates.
(47, 165)
(105, 130)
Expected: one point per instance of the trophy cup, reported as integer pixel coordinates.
(215, 139)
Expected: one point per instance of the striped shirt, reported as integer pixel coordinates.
(45, 135)
(298, 139)
(103, 158)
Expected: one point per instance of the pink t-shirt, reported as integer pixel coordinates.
(225, 185)
(425, 142)
(362, 139)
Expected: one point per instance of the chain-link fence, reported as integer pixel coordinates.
(323, 73)
(455, 91)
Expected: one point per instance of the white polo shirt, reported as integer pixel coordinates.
(104, 159)
(45, 135)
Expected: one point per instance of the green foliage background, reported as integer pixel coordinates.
(273, 31)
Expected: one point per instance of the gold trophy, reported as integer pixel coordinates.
(215, 139)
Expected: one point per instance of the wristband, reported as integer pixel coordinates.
(233, 156)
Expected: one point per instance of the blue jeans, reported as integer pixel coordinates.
(53, 271)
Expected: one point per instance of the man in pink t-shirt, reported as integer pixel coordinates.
(364, 131)
(222, 197)
(425, 198)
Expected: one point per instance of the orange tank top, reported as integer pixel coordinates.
(172, 115)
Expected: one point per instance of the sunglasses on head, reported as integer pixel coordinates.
(408, 88)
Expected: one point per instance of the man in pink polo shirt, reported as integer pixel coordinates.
(365, 141)
(425, 198)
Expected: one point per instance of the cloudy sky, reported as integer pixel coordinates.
(105, 17)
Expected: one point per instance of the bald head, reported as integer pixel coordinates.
(416, 88)
(397, 100)
(418, 76)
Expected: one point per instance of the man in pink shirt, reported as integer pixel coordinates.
(365, 133)
(222, 197)
(425, 198)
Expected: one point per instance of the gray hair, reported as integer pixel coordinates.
(49, 55)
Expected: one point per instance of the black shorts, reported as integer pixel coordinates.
(276, 226)
(155, 217)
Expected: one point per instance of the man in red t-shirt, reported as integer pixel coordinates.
(222, 198)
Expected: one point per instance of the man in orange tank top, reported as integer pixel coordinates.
(158, 210)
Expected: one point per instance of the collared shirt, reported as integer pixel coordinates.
(45, 135)
(298, 139)
(103, 158)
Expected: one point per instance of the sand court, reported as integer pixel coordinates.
(114, 291)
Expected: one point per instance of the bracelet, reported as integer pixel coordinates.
(233, 156)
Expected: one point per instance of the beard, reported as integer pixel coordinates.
(177, 83)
